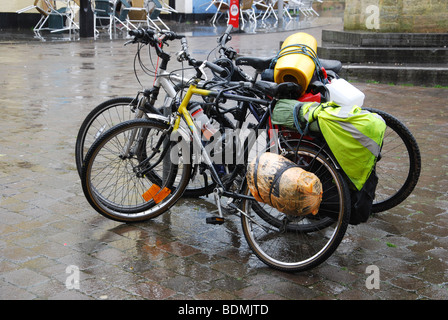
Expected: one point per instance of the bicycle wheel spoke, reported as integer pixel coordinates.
(113, 183)
(297, 243)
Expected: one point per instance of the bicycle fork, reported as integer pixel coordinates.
(138, 115)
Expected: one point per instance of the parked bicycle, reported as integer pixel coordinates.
(137, 149)
(394, 185)
(117, 110)
(127, 176)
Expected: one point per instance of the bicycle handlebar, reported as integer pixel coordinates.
(214, 67)
(140, 33)
(154, 38)
(226, 36)
(197, 64)
(151, 36)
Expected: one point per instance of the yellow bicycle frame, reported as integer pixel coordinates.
(193, 89)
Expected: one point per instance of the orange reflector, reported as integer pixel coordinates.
(155, 193)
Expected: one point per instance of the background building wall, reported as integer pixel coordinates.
(13, 6)
(419, 16)
(184, 6)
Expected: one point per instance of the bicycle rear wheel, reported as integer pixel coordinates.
(290, 243)
(399, 166)
(99, 120)
(140, 185)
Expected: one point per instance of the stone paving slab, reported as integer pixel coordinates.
(48, 230)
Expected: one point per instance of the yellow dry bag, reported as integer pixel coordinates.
(296, 60)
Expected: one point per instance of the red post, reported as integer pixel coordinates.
(234, 13)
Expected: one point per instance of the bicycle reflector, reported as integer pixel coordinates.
(156, 194)
(279, 182)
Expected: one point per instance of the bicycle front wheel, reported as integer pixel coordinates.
(117, 110)
(298, 243)
(140, 184)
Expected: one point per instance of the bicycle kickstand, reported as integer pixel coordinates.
(220, 218)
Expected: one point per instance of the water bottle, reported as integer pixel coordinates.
(344, 93)
(208, 129)
(204, 123)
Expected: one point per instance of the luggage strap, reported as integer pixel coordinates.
(277, 176)
(295, 113)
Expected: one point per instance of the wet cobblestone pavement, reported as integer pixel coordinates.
(48, 228)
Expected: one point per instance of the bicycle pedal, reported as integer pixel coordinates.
(214, 220)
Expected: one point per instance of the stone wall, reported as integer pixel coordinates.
(418, 16)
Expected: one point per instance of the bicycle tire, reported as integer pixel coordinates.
(399, 166)
(101, 118)
(111, 183)
(114, 111)
(201, 186)
(296, 249)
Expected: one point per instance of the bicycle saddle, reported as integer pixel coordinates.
(254, 62)
(285, 90)
(265, 63)
(333, 65)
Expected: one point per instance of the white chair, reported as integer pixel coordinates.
(52, 17)
(138, 14)
(266, 7)
(166, 8)
(117, 17)
(285, 8)
(103, 10)
(42, 7)
(294, 6)
(64, 10)
(247, 8)
(222, 7)
(145, 12)
(156, 8)
(306, 7)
